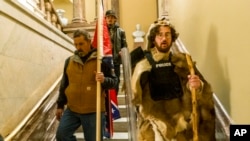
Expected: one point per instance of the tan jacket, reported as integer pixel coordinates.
(81, 91)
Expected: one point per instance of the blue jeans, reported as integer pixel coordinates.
(71, 121)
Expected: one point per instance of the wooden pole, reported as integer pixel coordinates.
(194, 101)
(99, 61)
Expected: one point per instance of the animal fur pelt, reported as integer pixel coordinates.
(171, 120)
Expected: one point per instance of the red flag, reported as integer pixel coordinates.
(107, 49)
(112, 111)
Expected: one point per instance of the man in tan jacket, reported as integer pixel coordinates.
(78, 91)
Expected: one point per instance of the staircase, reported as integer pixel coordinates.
(42, 126)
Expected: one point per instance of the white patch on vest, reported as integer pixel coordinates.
(88, 88)
(167, 64)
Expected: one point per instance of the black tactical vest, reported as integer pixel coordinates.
(164, 83)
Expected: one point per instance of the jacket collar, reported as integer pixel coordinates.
(91, 55)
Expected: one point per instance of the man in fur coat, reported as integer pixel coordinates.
(161, 85)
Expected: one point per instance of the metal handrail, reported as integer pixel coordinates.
(126, 62)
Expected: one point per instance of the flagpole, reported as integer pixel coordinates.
(99, 60)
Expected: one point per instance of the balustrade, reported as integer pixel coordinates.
(44, 9)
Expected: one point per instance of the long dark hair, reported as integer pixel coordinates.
(155, 30)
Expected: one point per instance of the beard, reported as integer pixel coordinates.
(164, 47)
(80, 53)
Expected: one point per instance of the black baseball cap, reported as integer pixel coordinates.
(110, 13)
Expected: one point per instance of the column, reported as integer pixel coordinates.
(115, 7)
(164, 9)
(79, 11)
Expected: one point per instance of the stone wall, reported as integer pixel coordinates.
(32, 54)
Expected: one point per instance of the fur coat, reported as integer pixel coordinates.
(171, 120)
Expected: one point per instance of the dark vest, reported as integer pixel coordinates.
(164, 83)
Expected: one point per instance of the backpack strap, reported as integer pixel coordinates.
(136, 55)
(150, 58)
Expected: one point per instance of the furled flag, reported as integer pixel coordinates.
(107, 50)
(112, 111)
